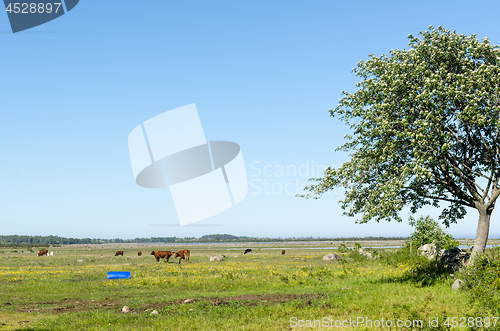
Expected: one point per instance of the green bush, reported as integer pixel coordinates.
(425, 272)
(396, 257)
(355, 255)
(482, 282)
(342, 248)
(428, 231)
(418, 269)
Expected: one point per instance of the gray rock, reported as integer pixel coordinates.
(188, 301)
(154, 312)
(125, 309)
(454, 257)
(428, 250)
(217, 258)
(367, 254)
(457, 285)
(331, 256)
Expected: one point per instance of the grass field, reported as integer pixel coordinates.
(263, 290)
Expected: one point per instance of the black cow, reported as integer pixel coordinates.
(248, 250)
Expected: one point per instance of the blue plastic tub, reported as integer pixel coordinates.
(118, 274)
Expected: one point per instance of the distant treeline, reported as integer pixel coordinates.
(15, 240)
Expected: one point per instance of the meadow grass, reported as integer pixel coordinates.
(262, 290)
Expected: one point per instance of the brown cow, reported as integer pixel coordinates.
(283, 252)
(139, 254)
(184, 254)
(43, 252)
(119, 253)
(162, 254)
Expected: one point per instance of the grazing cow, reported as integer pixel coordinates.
(162, 254)
(119, 253)
(184, 254)
(248, 250)
(43, 252)
(283, 252)
(139, 254)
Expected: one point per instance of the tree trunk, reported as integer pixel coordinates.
(483, 229)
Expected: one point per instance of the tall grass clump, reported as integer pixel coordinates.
(482, 282)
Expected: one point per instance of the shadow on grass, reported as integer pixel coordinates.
(423, 275)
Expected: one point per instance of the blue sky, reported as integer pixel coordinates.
(262, 74)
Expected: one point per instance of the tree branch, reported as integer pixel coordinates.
(440, 198)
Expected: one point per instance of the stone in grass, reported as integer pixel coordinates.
(428, 250)
(125, 309)
(188, 301)
(154, 312)
(217, 258)
(331, 256)
(454, 257)
(457, 284)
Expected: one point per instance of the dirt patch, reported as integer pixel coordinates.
(277, 298)
(250, 299)
(68, 305)
(255, 299)
(153, 306)
(65, 305)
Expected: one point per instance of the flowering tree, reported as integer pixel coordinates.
(426, 129)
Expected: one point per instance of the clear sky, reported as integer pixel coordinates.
(262, 74)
